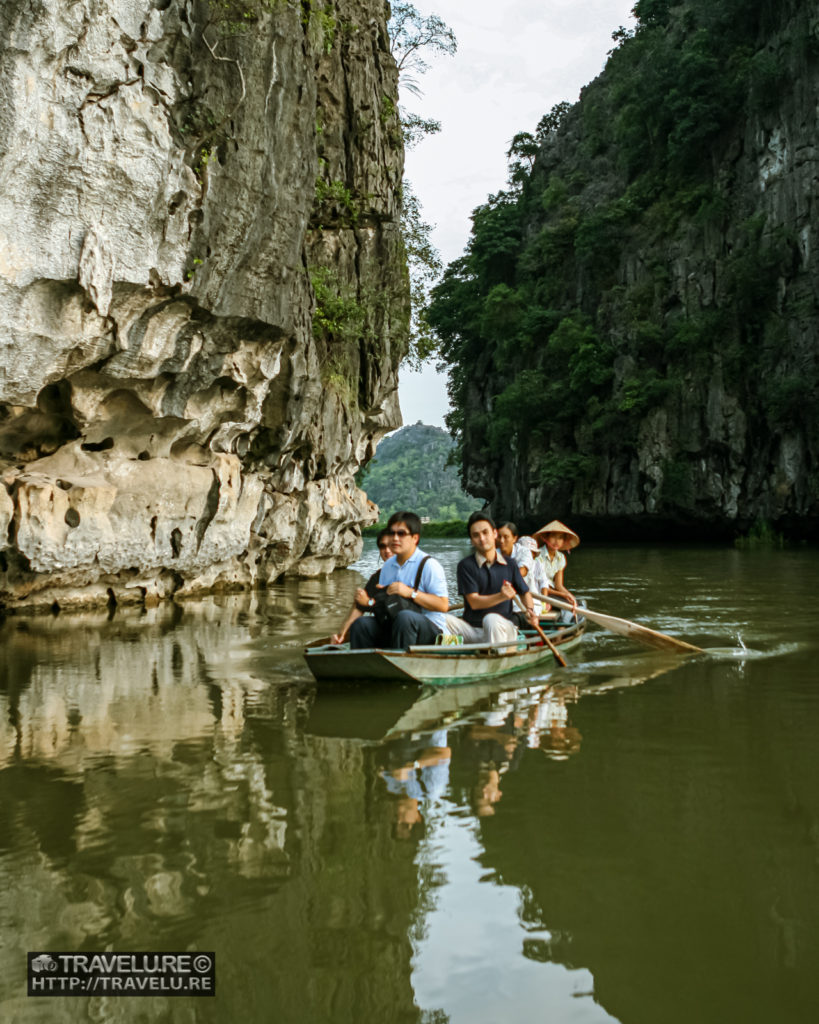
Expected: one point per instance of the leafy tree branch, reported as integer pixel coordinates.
(413, 37)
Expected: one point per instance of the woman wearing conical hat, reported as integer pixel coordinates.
(550, 563)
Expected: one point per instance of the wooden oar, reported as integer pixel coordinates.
(632, 630)
(555, 652)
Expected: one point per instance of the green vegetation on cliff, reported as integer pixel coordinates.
(411, 471)
(650, 254)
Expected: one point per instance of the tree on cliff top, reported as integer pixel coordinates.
(412, 37)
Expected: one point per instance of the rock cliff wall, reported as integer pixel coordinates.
(636, 344)
(203, 295)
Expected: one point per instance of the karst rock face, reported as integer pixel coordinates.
(203, 294)
(633, 331)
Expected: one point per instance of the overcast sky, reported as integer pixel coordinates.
(514, 62)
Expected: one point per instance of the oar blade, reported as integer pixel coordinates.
(642, 634)
(632, 630)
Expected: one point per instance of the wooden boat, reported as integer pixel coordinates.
(438, 665)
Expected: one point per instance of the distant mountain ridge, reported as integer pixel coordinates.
(411, 471)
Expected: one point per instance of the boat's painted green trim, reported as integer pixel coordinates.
(438, 666)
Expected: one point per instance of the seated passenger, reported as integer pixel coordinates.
(422, 585)
(519, 548)
(488, 583)
(365, 596)
(550, 563)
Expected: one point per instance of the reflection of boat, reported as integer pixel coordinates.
(366, 713)
(371, 712)
(441, 665)
(374, 712)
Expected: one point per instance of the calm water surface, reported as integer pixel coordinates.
(632, 838)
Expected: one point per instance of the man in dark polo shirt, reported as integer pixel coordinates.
(488, 583)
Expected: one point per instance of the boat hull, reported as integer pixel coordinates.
(443, 666)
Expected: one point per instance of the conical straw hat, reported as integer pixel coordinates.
(571, 540)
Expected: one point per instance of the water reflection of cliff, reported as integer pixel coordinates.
(157, 794)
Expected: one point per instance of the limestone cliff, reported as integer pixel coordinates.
(633, 331)
(203, 295)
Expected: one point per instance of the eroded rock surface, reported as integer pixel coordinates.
(203, 295)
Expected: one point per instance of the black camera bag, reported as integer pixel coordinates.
(387, 606)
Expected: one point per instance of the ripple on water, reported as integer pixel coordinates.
(743, 653)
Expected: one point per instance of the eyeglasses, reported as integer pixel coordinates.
(383, 547)
(399, 533)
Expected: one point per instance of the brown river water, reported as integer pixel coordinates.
(633, 838)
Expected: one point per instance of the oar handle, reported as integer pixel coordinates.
(555, 652)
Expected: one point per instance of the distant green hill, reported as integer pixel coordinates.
(410, 472)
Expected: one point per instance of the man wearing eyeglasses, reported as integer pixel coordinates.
(424, 619)
(365, 596)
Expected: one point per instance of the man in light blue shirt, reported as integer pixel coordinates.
(423, 620)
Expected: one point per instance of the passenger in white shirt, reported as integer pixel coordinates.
(519, 548)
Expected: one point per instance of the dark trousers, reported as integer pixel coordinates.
(408, 629)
